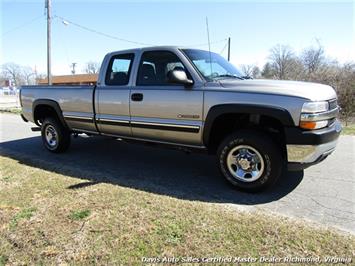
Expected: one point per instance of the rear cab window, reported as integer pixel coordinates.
(119, 70)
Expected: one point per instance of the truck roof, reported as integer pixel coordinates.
(150, 48)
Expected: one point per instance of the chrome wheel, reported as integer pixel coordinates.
(51, 136)
(245, 163)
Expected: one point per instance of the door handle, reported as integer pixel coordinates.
(137, 97)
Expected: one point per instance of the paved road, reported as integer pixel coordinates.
(323, 193)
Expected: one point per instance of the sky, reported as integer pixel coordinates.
(253, 26)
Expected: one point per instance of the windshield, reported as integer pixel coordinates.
(211, 65)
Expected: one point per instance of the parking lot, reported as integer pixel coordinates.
(323, 194)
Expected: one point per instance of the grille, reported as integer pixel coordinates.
(331, 122)
(333, 104)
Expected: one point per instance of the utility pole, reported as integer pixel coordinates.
(49, 57)
(229, 49)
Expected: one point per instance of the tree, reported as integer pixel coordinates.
(312, 59)
(12, 72)
(28, 76)
(18, 75)
(282, 60)
(247, 70)
(92, 67)
(251, 71)
(346, 99)
(268, 72)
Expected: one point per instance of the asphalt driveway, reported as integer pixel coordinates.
(323, 193)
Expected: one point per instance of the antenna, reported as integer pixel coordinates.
(209, 44)
(229, 49)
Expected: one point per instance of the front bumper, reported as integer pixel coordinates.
(306, 148)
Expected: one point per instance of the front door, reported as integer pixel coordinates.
(163, 111)
(112, 114)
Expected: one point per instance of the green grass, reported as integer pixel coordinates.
(3, 260)
(14, 110)
(26, 213)
(79, 215)
(349, 129)
(107, 224)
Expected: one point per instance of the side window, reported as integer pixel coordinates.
(155, 66)
(119, 69)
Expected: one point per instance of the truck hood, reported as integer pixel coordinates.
(307, 90)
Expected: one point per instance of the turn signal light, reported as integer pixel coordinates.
(313, 124)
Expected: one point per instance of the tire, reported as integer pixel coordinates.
(250, 161)
(55, 137)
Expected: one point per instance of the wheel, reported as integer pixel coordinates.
(249, 160)
(55, 137)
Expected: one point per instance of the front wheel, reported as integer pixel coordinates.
(249, 160)
(55, 137)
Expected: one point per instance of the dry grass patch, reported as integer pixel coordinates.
(44, 221)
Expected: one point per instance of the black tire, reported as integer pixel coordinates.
(272, 161)
(62, 135)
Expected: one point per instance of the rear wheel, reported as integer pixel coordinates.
(249, 160)
(55, 137)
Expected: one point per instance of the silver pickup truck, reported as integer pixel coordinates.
(197, 100)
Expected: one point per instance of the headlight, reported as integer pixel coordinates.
(315, 107)
(316, 115)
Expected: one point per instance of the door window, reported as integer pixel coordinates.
(155, 66)
(119, 70)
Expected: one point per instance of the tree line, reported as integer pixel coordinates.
(24, 75)
(310, 65)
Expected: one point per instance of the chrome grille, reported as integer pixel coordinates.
(333, 104)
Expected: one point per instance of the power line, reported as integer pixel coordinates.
(23, 25)
(224, 47)
(99, 32)
(67, 22)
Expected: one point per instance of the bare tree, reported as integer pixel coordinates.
(312, 59)
(12, 71)
(28, 76)
(282, 59)
(18, 75)
(247, 70)
(92, 67)
(346, 99)
(251, 71)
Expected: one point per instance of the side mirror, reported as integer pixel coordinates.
(179, 77)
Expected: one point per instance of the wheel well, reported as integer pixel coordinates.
(226, 124)
(42, 111)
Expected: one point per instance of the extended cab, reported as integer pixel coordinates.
(194, 99)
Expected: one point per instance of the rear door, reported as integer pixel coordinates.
(163, 111)
(112, 114)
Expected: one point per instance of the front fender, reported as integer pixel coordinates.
(214, 112)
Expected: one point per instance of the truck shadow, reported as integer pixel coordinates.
(156, 170)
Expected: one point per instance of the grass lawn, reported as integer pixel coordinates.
(349, 129)
(13, 110)
(43, 221)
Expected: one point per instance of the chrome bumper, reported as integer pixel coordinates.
(306, 154)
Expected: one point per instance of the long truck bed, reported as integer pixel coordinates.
(73, 100)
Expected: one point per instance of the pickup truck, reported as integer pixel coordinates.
(197, 100)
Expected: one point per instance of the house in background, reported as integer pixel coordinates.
(7, 88)
(79, 79)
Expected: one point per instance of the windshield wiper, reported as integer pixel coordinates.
(229, 76)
